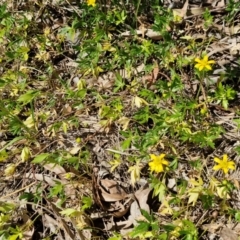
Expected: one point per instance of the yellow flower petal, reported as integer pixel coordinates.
(225, 157)
(153, 157)
(231, 167)
(211, 62)
(165, 162)
(225, 170)
(204, 64)
(197, 60)
(205, 58)
(201, 67)
(162, 156)
(159, 169)
(224, 164)
(208, 67)
(91, 3)
(157, 163)
(197, 65)
(216, 168)
(217, 160)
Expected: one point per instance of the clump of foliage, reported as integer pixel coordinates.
(130, 89)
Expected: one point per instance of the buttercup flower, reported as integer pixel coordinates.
(91, 3)
(224, 164)
(204, 64)
(157, 163)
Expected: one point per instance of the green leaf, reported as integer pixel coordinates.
(3, 155)
(27, 196)
(140, 229)
(13, 237)
(69, 212)
(28, 96)
(126, 143)
(87, 202)
(146, 215)
(6, 207)
(225, 104)
(163, 236)
(56, 190)
(237, 216)
(142, 115)
(115, 236)
(2, 83)
(40, 158)
(119, 83)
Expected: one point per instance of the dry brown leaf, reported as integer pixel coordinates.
(235, 50)
(51, 223)
(28, 234)
(96, 191)
(135, 213)
(66, 109)
(27, 223)
(142, 197)
(54, 168)
(135, 209)
(196, 11)
(109, 224)
(228, 30)
(219, 3)
(74, 150)
(148, 32)
(112, 197)
(110, 185)
(118, 209)
(212, 227)
(69, 235)
(228, 234)
(183, 11)
(139, 69)
(113, 191)
(153, 35)
(155, 72)
(147, 79)
(40, 177)
(107, 193)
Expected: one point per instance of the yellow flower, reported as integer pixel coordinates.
(157, 163)
(224, 164)
(91, 3)
(204, 64)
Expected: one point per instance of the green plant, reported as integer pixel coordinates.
(147, 228)
(89, 90)
(208, 18)
(223, 94)
(232, 9)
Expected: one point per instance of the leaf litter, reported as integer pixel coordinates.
(51, 135)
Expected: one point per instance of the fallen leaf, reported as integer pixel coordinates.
(181, 12)
(228, 234)
(112, 197)
(54, 168)
(51, 223)
(124, 122)
(135, 209)
(155, 72)
(135, 173)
